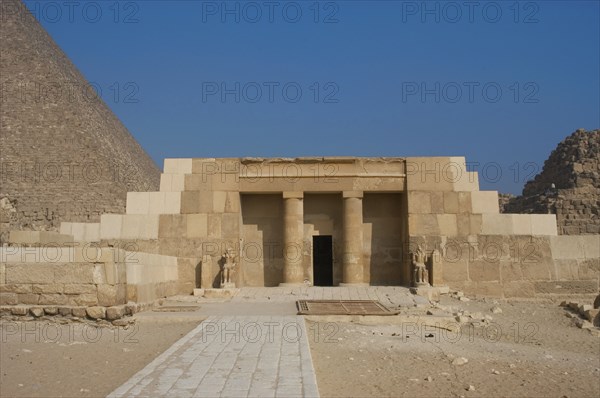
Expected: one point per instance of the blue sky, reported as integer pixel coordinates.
(498, 82)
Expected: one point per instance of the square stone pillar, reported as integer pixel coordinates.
(293, 237)
(352, 259)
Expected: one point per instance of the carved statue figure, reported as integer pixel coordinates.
(227, 269)
(420, 272)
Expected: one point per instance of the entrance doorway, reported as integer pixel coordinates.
(323, 260)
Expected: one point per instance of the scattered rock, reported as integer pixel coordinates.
(597, 302)
(460, 361)
(428, 378)
(496, 310)
(494, 371)
(470, 388)
(464, 298)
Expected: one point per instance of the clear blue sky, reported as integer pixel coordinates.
(393, 78)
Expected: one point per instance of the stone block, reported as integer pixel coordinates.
(230, 225)
(9, 299)
(29, 298)
(464, 202)
(96, 312)
(47, 288)
(178, 166)
(85, 299)
(92, 232)
(437, 202)
(79, 312)
(198, 182)
(233, 202)
(543, 224)
(16, 288)
(430, 174)
(107, 295)
(138, 202)
(484, 271)
(172, 226)
(36, 311)
(518, 289)
(457, 271)
(497, 224)
(447, 224)
(484, 202)
(521, 224)
(52, 310)
(20, 310)
(116, 312)
(419, 202)
(172, 203)
(591, 246)
(53, 299)
(197, 225)
(74, 273)
(423, 224)
(157, 203)
(29, 273)
(79, 288)
(451, 202)
(219, 199)
(190, 202)
(214, 225)
(65, 311)
(567, 247)
(110, 226)
(166, 180)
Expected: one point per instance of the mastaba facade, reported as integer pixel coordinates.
(345, 220)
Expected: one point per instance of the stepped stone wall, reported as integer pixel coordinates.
(574, 169)
(64, 156)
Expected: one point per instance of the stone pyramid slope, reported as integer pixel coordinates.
(574, 169)
(65, 156)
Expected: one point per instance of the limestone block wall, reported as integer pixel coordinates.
(81, 232)
(485, 252)
(151, 276)
(62, 276)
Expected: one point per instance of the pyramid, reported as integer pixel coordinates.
(64, 155)
(568, 186)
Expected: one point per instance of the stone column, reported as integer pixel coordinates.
(353, 267)
(293, 236)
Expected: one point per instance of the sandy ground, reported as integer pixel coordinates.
(531, 349)
(44, 359)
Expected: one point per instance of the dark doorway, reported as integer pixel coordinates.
(323, 260)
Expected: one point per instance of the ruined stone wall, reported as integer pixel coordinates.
(574, 169)
(64, 156)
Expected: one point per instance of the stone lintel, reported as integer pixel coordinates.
(352, 194)
(293, 194)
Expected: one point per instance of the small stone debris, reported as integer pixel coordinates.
(429, 378)
(460, 361)
(494, 371)
(464, 299)
(470, 388)
(496, 310)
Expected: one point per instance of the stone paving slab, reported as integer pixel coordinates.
(232, 356)
(390, 296)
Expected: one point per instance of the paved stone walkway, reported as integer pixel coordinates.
(390, 296)
(252, 356)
